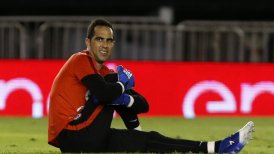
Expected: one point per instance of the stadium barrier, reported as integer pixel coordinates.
(13, 40)
(184, 89)
(140, 38)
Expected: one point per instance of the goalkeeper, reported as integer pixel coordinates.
(85, 94)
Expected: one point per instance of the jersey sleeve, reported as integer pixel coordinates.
(81, 66)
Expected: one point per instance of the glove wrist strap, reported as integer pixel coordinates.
(123, 87)
(131, 101)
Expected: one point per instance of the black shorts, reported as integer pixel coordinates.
(99, 137)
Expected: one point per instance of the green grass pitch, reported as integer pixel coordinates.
(27, 135)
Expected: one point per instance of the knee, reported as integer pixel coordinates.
(145, 108)
(153, 135)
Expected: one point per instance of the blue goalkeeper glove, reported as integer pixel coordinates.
(125, 77)
(124, 99)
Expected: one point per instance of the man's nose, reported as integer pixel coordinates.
(104, 43)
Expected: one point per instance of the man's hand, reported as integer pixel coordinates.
(125, 77)
(124, 99)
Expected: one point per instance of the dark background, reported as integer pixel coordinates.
(262, 10)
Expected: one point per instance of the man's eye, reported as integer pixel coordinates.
(99, 39)
(110, 40)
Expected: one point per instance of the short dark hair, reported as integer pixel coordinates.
(97, 22)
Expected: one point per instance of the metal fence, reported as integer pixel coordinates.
(234, 41)
(52, 37)
(13, 37)
(140, 38)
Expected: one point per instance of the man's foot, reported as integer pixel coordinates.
(235, 142)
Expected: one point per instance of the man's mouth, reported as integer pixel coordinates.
(103, 51)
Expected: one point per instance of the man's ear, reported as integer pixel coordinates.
(87, 41)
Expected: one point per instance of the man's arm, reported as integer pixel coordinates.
(104, 91)
(107, 91)
(140, 104)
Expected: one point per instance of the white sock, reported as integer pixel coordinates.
(138, 128)
(211, 147)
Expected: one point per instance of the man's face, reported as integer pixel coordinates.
(101, 43)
